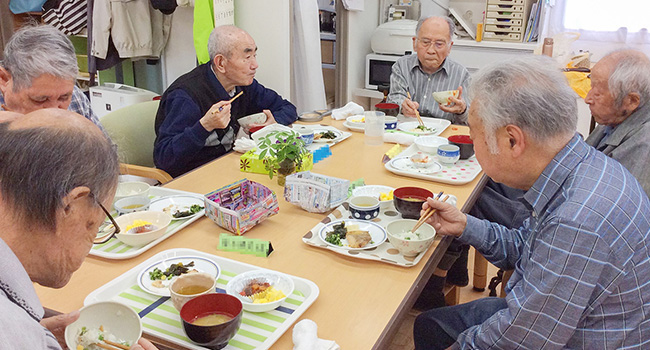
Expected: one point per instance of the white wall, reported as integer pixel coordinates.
(361, 26)
(179, 56)
(268, 22)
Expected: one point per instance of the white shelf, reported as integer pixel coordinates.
(496, 44)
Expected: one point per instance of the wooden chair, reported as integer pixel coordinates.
(132, 129)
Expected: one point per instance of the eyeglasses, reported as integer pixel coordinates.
(106, 230)
(438, 44)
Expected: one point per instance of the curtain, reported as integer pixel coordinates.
(6, 25)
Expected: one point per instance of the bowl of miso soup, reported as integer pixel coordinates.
(211, 320)
(408, 201)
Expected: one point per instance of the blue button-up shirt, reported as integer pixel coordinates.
(582, 260)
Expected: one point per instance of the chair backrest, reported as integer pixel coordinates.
(132, 130)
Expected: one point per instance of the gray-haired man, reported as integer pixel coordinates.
(39, 70)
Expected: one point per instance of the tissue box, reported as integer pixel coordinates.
(314, 192)
(241, 205)
(249, 162)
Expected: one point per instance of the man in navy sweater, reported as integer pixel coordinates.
(196, 122)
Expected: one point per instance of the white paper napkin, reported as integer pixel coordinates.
(399, 137)
(349, 109)
(305, 337)
(243, 145)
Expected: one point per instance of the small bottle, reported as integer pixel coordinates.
(547, 49)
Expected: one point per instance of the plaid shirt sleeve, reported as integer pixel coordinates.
(80, 104)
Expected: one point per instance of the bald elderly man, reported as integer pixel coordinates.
(44, 241)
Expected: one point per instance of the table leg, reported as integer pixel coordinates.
(480, 271)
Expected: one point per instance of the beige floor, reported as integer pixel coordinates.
(403, 340)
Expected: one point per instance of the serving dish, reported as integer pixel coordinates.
(375, 191)
(200, 264)
(171, 204)
(436, 125)
(405, 164)
(338, 134)
(278, 281)
(377, 233)
(353, 127)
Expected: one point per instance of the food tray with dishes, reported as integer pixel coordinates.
(259, 330)
(459, 173)
(161, 198)
(380, 248)
(325, 134)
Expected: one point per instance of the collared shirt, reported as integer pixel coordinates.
(79, 103)
(628, 143)
(20, 308)
(408, 76)
(581, 260)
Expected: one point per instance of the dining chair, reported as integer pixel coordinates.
(132, 129)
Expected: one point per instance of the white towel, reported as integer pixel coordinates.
(243, 145)
(399, 137)
(349, 109)
(305, 337)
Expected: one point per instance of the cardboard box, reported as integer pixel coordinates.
(249, 162)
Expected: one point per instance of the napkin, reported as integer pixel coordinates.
(305, 337)
(399, 137)
(243, 145)
(267, 129)
(348, 110)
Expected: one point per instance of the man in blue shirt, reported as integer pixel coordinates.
(580, 260)
(38, 71)
(196, 122)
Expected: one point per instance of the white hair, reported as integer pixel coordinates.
(631, 74)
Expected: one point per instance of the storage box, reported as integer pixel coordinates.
(249, 162)
(110, 97)
(241, 205)
(314, 192)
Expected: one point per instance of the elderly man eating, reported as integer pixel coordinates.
(580, 259)
(57, 174)
(39, 70)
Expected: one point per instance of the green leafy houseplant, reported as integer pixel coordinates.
(282, 152)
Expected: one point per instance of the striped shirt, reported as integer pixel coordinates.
(79, 103)
(582, 260)
(408, 76)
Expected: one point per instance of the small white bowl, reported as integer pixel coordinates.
(257, 118)
(278, 280)
(448, 154)
(131, 188)
(132, 204)
(364, 207)
(159, 219)
(421, 160)
(442, 97)
(375, 191)
(357, 121)
(199, 279)
(116, 318)
(410, 247)
(429, 144)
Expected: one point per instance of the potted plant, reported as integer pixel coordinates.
(282, 152)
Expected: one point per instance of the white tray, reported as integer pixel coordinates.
(460, 173)
(258, 330)
(114, 249)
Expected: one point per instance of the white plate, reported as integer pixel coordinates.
(318, 131)
(437, 126)
(178, 203)
(377, 233)
(353, 128)
(405, 164)
(200, 264)
(371, 190)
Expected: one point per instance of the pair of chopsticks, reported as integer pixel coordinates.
(109, 345)
(230, 101)
(427, 214)
(417, 113)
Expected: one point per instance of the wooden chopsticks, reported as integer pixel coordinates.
(232, 99)
(417, 113)
(427, 214)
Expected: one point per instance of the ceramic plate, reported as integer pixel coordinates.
(200, 264)
(173, 204)
(377, 233)
(371, 190)
(353, 128)
(405, 164)
(436, 125)
(320, 131)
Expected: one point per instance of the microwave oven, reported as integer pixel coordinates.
(378, 69)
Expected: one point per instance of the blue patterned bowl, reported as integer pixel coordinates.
(364, 207)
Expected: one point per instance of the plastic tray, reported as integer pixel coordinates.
(114, 249)
(460, 173)
(258, 330)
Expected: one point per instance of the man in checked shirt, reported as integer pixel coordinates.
(581, 260)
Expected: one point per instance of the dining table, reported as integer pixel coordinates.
(361, 303)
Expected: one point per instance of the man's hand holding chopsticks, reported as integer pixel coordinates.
(217, 117)
(447, 219)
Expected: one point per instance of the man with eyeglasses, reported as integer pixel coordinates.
(197, 117)
(430, 70)
(57, 173)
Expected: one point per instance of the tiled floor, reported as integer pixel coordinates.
(403, 340)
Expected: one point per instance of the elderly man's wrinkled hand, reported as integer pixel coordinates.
(409, 108)
(447, 219)
(455, 105)
(143, 344)
(56, 325)
(217, 117)
(269, 120)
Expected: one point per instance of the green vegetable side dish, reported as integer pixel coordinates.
(423, 128)
(334, 237)
(328, 135)
(195, 208)
(173, 270)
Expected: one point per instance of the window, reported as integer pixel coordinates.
(606, 15)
